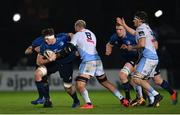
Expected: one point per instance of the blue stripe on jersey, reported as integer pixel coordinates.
(149, 54)
(88, 57)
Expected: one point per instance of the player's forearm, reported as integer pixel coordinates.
(42, 62)
(130, 30)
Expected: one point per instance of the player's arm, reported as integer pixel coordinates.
(29, 50)
(140, 44)
(155, 44)
(122, 22)
(108, 48)
(62, 53)
(41, 60)
(66, 51)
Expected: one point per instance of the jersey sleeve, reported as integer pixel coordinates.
(37, 42)
(64, 36)
(112, 39)
(75, 39)
(140, 33)
(42, 49)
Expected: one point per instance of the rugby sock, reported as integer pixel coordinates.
(85, 96)
(46, 86)
(41, 89)
(126, 87)
(150, 98)
(118, 94)
(74, 96)
(152, 91)
(138, 90)
(165, 85)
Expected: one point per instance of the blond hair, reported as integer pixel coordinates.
(80, 23)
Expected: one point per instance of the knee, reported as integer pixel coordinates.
(157, 80)
(40, 72)
(123, 77)
(81, 83)
(38, 75)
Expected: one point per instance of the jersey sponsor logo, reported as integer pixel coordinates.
(141, 33)
(89, 40)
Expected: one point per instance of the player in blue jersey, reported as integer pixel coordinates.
(119, 39)
(46, 67)
(35, 48)
(149, 59)
(91, 65)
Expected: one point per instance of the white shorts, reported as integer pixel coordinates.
(146, 67)
(93, 68)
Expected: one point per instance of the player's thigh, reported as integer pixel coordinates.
(146, 67)
(99, 68)
(66, 72)
(87, 68)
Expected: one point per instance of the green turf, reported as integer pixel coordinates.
(104, 102)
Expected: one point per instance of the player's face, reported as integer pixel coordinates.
(120, 31)
(136, 22)
(49, 41)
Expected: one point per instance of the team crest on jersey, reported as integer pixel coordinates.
(61, 43)
(116, 42)
(141, 33)
(128, 42)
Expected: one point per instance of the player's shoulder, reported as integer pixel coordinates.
(114, 36)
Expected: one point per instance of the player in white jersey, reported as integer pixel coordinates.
(149, 58)
(91, 64)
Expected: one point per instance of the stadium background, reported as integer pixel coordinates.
(100, 17)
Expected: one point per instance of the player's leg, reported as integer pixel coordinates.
(108, 85)
(123, 75)
(101, 77)
(145, 68)
(86, 71)
(39, 73)
(40, 99)
(66, 72)
(81, 82)
(165, 85)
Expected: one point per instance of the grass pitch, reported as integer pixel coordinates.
(104, 102)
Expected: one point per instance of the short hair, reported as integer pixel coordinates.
(80, 23)
(47, 32)
(142, 15)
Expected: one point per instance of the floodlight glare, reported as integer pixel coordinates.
(158, 13)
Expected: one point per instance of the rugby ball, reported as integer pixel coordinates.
(47, 53)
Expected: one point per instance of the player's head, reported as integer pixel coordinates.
(48, 35)
(120, 30)
(79, 25)
(140, 17)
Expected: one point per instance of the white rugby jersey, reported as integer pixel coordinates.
(144, 31)
(85, 41)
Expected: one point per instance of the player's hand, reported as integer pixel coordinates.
(37, 49)
(108, 50)
(29, 50)
(70, 35)
(51, 57)
(123, 46)
(129, 48)
(120, 21)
